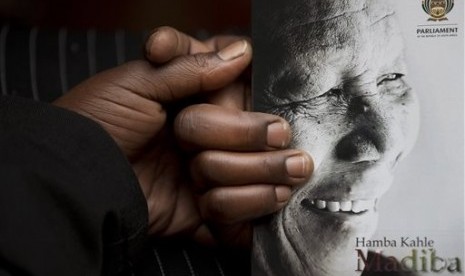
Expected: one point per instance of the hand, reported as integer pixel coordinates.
(131, 103)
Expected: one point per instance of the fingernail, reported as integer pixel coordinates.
(278, 135)
(298, 166)
(283, 193)
(233, 51)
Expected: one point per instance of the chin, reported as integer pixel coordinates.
(306, 239)
(324, 241)
(310, 243)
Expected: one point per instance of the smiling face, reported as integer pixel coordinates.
(335, 70)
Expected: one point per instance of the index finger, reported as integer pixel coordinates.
(186, 75)
(166, 43)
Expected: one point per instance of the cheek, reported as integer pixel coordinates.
(407, 120)
(317, 135)
(411, 118)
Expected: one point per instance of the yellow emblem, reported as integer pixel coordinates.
(437, 9)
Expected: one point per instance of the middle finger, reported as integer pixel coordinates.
(212, 127)
(211, 169)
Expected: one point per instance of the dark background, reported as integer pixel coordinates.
(213, 16)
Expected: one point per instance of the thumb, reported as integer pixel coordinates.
(187, 75)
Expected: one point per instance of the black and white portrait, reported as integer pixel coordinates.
(336, 71)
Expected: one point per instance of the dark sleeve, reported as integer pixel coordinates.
(69, 201)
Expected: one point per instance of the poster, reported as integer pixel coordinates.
(374, 91)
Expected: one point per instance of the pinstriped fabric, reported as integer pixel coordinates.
(77, 57)
(91, 41)
(62, 59)
(33, 62)
(105, 50)
(43, 64)
(188, 261)
(17, 62)
(47, 73)
(3, 37)
(220, 268)
(120, 47)
(159, 263)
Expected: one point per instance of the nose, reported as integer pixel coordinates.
(367, 138)
(360, 145)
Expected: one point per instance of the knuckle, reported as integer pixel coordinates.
(217, 201)
(252, 134)
(273, 167)
(204, 164)
(159, 45)
(192, 123)
(269, 166)
(200, 61)
(207, 169)
(185, 123)
(164, 29)
(161, 33)
(136, 65)
(255, 130)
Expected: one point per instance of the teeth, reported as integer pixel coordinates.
(333, 206)
(346, 206)
(320, 204)
(355, 206)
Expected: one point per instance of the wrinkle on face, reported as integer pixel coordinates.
(326, 66)
(390, 14)
(336, 16)
(345, 53)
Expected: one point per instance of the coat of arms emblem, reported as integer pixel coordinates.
(437, 9)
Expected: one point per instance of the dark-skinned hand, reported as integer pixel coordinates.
(214, 167)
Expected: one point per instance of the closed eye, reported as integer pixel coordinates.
(389, 77)
(335, 92)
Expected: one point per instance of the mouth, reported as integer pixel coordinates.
(354, 207)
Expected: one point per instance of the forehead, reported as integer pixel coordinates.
(280, 18)
(343, 34)
(361, 25)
